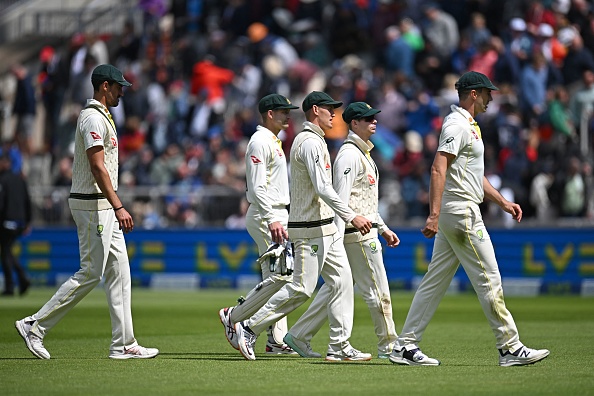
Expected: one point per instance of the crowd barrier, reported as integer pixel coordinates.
(531, 261)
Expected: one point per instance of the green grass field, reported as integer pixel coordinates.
(196, 358)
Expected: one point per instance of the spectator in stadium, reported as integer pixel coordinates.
(24, 108)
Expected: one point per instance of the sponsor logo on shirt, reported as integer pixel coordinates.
(327, 166)
(474, 134)
(371, 179)
(450, 139)
(114, 142)
(347, 170)
(279, 152)
(95, 136)
(255, 159)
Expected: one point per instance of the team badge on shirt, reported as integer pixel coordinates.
(99, 230)
(479, 233)
(255, 160)
(373, 247)
(95, 136)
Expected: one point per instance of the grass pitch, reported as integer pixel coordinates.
(196, 358)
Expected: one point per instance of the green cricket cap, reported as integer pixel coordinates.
(109, 73)
(319, 99)
(275, 102)
(358, 110)
(474, 80)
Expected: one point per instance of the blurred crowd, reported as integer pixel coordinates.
(199, 67)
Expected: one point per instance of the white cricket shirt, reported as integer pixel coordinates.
(266, 173)
(461, 137)
(93, 128)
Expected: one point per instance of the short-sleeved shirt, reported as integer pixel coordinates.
(94, 128)
(461, 137)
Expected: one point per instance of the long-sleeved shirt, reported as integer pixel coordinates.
(313, 199)
(266, 173)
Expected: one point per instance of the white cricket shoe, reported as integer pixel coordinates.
(225, 316)
(272, 348)
(33, 342)
(136, 352)
(414, 357)
(301, 347)
(246, 340)
(522, 356)
(350, 354)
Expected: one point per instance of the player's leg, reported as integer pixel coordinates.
(93, 248)
(369, 274)
(292, 295)
(477, 256)
(6, 242)
(337, 275)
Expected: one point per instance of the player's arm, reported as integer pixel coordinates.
(257, 158)
(95, 155)
(440, 165)
(312, 156)
(493, 195)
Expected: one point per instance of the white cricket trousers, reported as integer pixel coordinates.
(271, 282)
(369, 275)
(462, 239)
(314, 257)
(102, 254)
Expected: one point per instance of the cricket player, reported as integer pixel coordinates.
(318, 245)
(458, 186)
(356, 181)
(267, 217)
(101, 221)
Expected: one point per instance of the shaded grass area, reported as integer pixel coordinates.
(196, 358)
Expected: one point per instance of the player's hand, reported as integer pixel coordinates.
(125, 220)
(391, 237)
(362, 224)
(430, 226)
(514, 209)
(278, 232)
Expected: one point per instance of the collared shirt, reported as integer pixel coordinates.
(461, 137)
(93, 128)
(356, 181)
(313, 199)
(266, 173)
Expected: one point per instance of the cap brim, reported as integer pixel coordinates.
(124, 83)
(333, 103)
(370, 112)
(286, 107)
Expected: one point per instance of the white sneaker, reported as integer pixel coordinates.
(351, 354)
(522, 356)
(33, 342)
(272, 348)
(136, 352)
(246, 341)
(301, 347)
(225, 316)
(412, 358)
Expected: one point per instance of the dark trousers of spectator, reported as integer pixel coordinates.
(10, 263)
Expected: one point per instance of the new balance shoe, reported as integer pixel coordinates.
(522, 356)
(351, 354)
(414, 357)
(383, 355)
(225, 316)
(301, 347)
(136, 352)
(273, 348)
(246, 340)
(33, 342)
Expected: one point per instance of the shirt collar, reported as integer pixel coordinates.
(314, 128)
(465, 113)
(95, 102)
(366, 147)
(261, 128)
